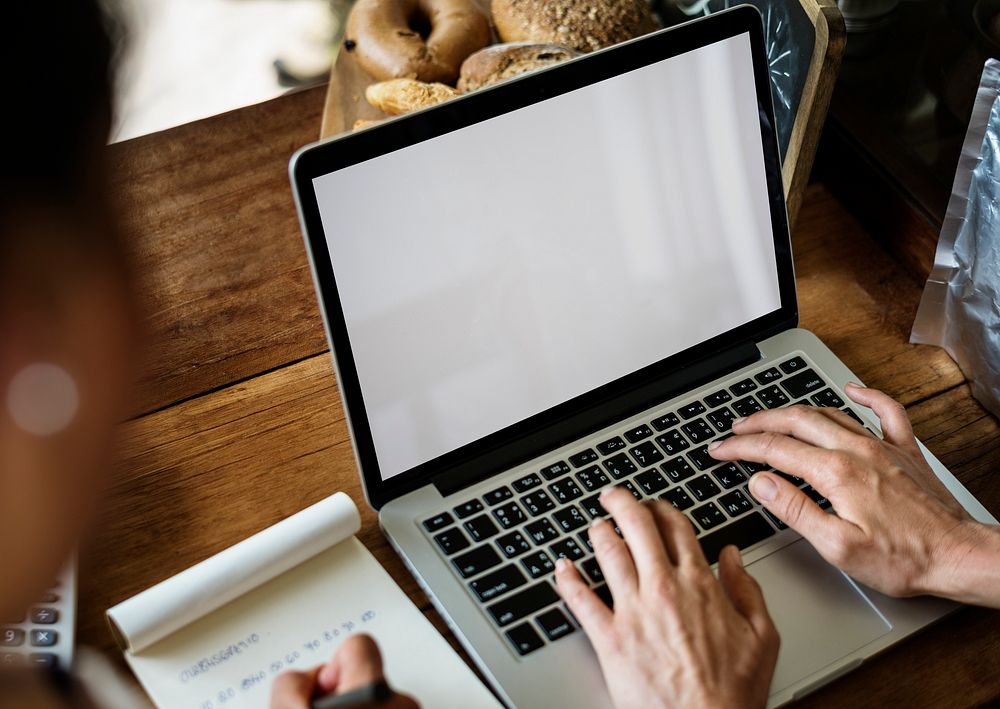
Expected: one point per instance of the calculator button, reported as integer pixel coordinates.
(553, 471)
(662, 423)
(768, 376)
(526, 483)
(11, 637)
(11, 659)
(49, 597)
(611, 445)
(44, 638)
(795, 364)
(44, 616)
(495, 497)
(583, 457)
(718, 398)
(431, 525)
(554, 624)
(43, 659)
(524, 638)
(469, 508)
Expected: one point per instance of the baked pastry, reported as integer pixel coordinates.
(397, 96)
(584, 25)
(503, 61)
(416, 39)
(365, 122)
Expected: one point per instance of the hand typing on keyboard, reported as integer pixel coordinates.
(896, 527)
(676, 636)
(355, 666)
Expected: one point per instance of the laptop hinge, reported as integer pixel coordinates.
(597, 416)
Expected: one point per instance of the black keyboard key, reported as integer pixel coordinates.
(828, 397)
(662, 423)
(618, 466)
(638, 433)
(677, 469)
(721, 420)
(708, 516)
(497, 583)
(804, 383)
(44, 638)
(584, 537)
(525, 639)
(702, 488)
(569, 518)
(476, 561)
(578, 460)
(772, 397)
(593, 478)
(698, 431)
(529, 481)
(743, 387)
(850, 412)
(747, 406)
(672, 442)
(793, 479)
(480, 528)
(746, 491)
(565, 490)
(537, 502)
(523, 603)
(467, 509)
(795, 364)
(567, 549)
(438, 521)
(646, 454)
(45, 660)
(701, 458)
(451, 540)
(689, 411)
(678, 498)
(816, 497)
(743, 532)
(495, 497)
(551, 472)
(554, 624)
(775, 521)
(593, 570)
(631, 488)
(538, 564)
(541, 532)
(592, 506)
(604, 593)
(651, 481)
(718, 398)
(611, 445)
(513, 544)
(768, 376)
(750, 467)
(509, 515)
(729, 475)
(735, 503)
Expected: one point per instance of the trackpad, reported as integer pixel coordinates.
(821, 617)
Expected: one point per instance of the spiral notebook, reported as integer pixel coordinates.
(219, 633)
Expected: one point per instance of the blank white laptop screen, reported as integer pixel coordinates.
(491, 273)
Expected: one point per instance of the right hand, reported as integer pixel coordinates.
(896, 527)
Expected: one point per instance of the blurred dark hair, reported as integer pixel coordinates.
(58, 105)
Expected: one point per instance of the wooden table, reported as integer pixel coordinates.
(237, 422)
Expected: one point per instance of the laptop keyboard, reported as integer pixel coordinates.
(503, 544)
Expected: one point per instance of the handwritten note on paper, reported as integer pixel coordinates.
(296, 621)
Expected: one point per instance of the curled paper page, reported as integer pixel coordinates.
(182, 599)
(960, 307)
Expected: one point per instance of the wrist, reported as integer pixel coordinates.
(966, 566)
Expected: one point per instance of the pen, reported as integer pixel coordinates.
(374, 693)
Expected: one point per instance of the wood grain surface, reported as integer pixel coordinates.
(239, 421)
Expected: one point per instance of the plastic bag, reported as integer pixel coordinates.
(960, 307)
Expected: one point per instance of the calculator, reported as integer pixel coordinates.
(43, 635)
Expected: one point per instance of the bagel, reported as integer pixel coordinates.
(417, 39)
(584, 25)
(398, 96)
(504, 61)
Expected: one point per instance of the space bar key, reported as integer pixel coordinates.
(744, 532)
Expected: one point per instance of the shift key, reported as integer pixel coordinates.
(803, 383)
(523, 603)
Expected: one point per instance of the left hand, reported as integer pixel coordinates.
(356, 663)
(677, 637)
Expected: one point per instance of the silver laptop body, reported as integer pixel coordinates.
(571, 280)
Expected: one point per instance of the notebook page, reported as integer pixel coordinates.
(230, 657)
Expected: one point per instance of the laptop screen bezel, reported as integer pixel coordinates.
(341, 152)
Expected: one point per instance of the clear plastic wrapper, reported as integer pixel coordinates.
(960, 308)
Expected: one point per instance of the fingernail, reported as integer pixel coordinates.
(741, 419)
(327, 675)
(854, 385)
(763, 487)
(597, 522)
(562, 564)
(713, 445)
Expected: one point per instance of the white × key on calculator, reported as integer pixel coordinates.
(43, 634)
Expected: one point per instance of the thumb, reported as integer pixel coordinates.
(356, 663)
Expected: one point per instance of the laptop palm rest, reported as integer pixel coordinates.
(819, 613)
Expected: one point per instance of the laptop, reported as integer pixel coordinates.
(576, 279)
